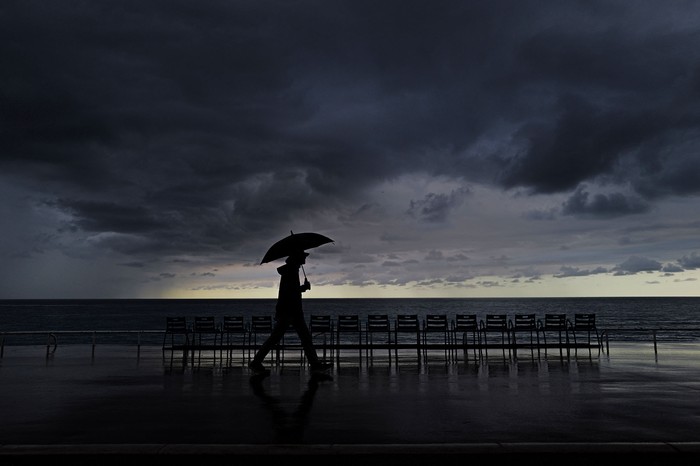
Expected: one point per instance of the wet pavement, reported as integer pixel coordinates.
(116, 403)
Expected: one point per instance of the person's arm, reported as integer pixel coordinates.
(306, 286)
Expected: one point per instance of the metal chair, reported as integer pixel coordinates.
(554, 324)
(407, 324)
(524, 323)
(258, 325)
(232, 327)
(176, 327)
(377, 324)
(585, 323)
(495, 323)
(322, 326)
(465, 324)
(436, 324)
(205, 326)
(347, 324)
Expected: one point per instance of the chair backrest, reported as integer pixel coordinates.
(435, 323)
(524, 322)
(554, 322)
(465, 323)
(348, 323)
(176, 324)
(378, 323)
(407, 323)
(320, 323)
(233, 324)
(496, 322)
(204, 324)
(584, 321)
(261, 323)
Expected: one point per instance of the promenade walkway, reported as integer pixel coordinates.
(112, 407)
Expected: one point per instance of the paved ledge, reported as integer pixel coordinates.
(544, 454)
(353, 449)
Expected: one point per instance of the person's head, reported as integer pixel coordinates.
(297, 258)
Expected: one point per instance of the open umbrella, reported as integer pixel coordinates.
(295, 242)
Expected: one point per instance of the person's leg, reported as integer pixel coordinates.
(306, 340)
(278, 332)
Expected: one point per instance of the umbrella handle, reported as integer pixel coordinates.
(306, 280)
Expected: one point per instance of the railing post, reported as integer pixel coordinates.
(604, 336)
(48, 343)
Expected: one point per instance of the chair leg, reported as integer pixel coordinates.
(338, 343)
(503, 344)
(480, 348)
(418, 350)
(445, 339)
(544, 341)
(465, 349)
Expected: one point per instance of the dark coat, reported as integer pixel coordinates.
(289, 297)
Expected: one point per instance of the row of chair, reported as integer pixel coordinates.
(552, 324)
(408, 331)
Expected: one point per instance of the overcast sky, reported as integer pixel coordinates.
(449, 148)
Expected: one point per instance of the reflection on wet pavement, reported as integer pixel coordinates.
(628, 396)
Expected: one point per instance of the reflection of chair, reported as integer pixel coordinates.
(465, 324)
(524, 323)
(585, 323)
(407, 324)
(176, 327)
(322, 326)
(436, 324)
(258, 325)
(232, 327)
(378, 324)
(554, 324)
(495, 323)
(347, 324)
(205, 326)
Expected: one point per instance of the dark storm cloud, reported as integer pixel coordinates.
(196, 126)
(691, 261)
(619, 94)
(672, 268)
(434, 207)
(567, 271)
(108, 216)
(636, 264)
(603, 205)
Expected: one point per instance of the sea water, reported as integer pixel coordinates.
(626, 318)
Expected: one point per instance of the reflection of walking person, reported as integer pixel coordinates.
(289, 426)
(288, 313)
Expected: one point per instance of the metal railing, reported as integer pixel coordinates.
(51, 338)
(641, 334)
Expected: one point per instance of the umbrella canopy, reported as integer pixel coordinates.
(294, 243)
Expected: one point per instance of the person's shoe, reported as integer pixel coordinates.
(258, 368)
(321, 366)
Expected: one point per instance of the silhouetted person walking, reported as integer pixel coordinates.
(289, 313)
